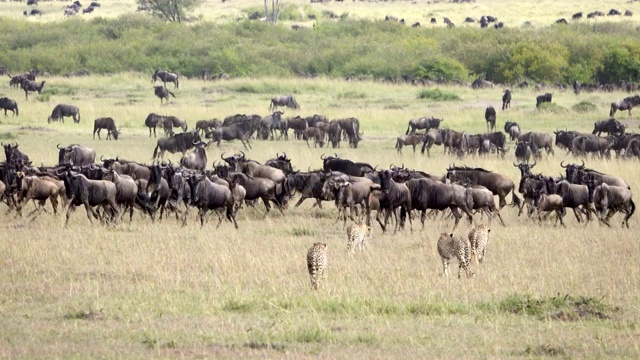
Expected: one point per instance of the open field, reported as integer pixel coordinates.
(140, 290)
(537, 13)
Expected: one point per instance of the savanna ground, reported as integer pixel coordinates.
(142, 289)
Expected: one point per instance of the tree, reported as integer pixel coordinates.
(272, 13)
(170, 10)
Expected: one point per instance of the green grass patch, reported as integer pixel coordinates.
(7, 136)
(58, 91)
(237, 306)
(351, 95)
(567, 307)
(301, 231)
(584, 107)
(552, 108)
(437, 95)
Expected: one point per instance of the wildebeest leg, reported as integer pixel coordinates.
(502, 197)
(456, 213)
(578, 216)
(202, 212)
(69, 211)
(379, 221)
(561, 214)
(267, 206)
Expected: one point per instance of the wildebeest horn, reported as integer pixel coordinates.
(402, 166)
(222, 156)
(582, 163)
(58, 146)
(195, 142)
(322, 157)
(514, 164)
(534, 164)
(242, 152)
(101, 156)
(562, 164)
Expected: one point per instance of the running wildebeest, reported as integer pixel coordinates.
(105, 123)
(166, 77)
(506, 99)
(162, 93)
(288, 101)
(490, 118)
(64, 110)
(625, 104)
(176, 143)
(8, 104)
(609, 126)
(498, 184)
(540, 99)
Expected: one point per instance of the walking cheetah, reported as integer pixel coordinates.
(357, 235)
(317, 263)
(450, 247)
(478, 238)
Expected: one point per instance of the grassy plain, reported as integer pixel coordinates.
(140, 290)
(513, 14)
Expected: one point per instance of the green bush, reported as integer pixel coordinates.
(437, 95)
(552, 108)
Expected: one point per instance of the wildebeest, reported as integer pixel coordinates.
(428, 194)
(609, 126)
(496, 139)
(345, 166)
(36, 189)
(75, 155)
(546, 203)
(481, 84)
(396, 195)
(152, 121)
(287, 100)
(14, 156)
(31, 86)
(576, 16)
(90, 193)
(625, 104)
(207, 125)
(281, 162)
(299, 124)
(575, 173)
(126, 193)
(249, 122)
(270, 123)
(176, 143)
(238, 131)
(576, 87)
(506, 99)
(196, 160)
(315, 134)
(170, 122)
(64, 110)
(309, 184)
(165, 77)
(525, 150)
(513, 129)
(423, 123)
(207, 195)
(105, 123)
(590, 143)
(8, 104)
(607, 200)
(162, 93)
(614, 12)
(562, 21)
(498, 184)
(490, 118)
(413, 140)
(546, 98)
(432, 137)
(540, 140)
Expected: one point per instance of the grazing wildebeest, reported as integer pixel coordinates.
(206, 125)
(513, 129)
(288, 101)
(162, 93)
(31, 86)
(506, 99)
(270, 123)
(171, 122)
(609, 126)
(14, 156)
(490, 118)
(64, 110)
(576, 16)
(105, 123)
(8, 104)
(176, 143)
(423, 123)
(75, 155)
(166, 77)
(625, 104)
(540, 99)
(90, 193)
(562, 21)
(413, 140)
(498, 184)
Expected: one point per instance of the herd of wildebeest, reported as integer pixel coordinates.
(110, 187)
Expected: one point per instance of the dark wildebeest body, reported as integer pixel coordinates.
(196, 160)
(513, 129)
(270, 123)
(238, 131)
(176, 143)
(506, 99)
(170, 122)
(152, 121)
(546, 98)
(162, 93)
(31, 86)
(625, 104)
(432, 137)
(428, 194)
(315, 134)
(279, 101)
(105, 123)
(8, 104)
(308, 184)
(206, 125)
(64, 110)
(207, 195)
(490, 118)
(498, 184)
(423, 123)
(575, 173)
(348, 167)
(166, 77)
(540, 140)
(90, 193)
(609, 126)
(413, 140)
(14, 156)
(75, 155)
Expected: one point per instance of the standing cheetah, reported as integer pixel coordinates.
(317, 263)
(479, 237)
(450, 247)
(357, 235)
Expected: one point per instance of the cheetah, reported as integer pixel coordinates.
(317, 263)
(357, 235)
(478, 238)
(449, 247)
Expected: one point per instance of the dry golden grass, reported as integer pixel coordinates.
(145, 290)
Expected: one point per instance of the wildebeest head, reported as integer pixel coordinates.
(233, 160)
(281, 162)
(525, 168)
(572, 170)
(222, 170)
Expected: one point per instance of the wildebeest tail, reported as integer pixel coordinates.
(633, 209)
(177, 83)
(170, 93)
(613, 109)
(397, 143)
(155, 151)
(408, 128)
(17, 112)
(515, 200)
